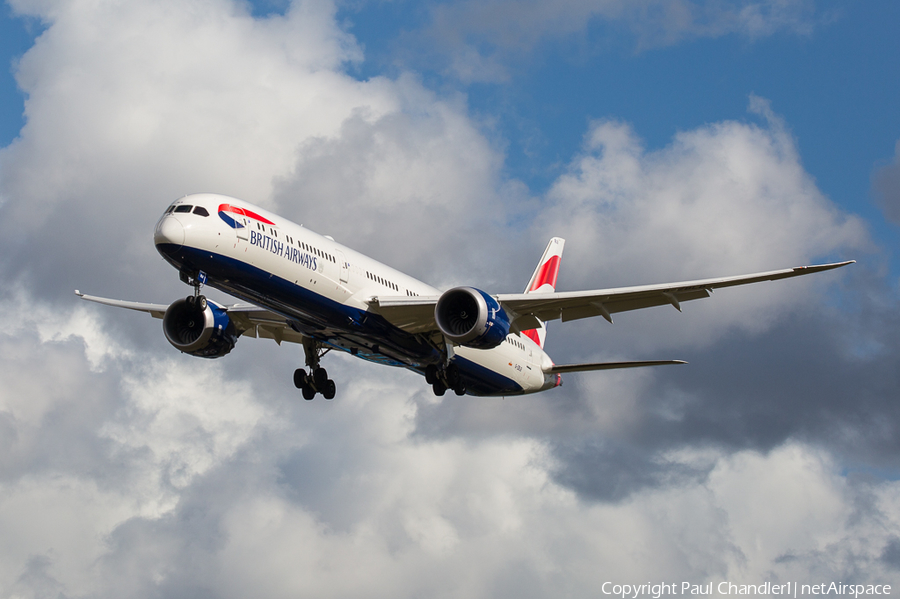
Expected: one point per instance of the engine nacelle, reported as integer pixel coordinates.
(199, 328)
(471, 317)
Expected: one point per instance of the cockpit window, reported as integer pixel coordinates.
(201, 211)
(183, 208)
(171, 208)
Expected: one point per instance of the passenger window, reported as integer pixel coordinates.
(183, 208)
(201, 211)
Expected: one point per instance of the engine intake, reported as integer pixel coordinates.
(199, 328)
(471, 317)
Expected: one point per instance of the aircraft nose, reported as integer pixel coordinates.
(169, 235)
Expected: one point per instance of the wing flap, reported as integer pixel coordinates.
(411, 314)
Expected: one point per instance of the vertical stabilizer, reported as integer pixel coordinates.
(544, 281)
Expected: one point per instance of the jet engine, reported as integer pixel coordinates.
(471, 317)
(200, 328)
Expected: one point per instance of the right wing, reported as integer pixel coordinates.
(416, 314)
(573, 305)
(249, 320)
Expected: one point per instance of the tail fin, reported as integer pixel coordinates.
(544, 281)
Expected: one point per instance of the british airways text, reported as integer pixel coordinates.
(286, 251)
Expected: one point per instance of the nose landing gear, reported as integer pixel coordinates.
(195, 280)
(316, 380)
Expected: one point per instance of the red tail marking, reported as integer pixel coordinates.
(533, 335)
(547, 274)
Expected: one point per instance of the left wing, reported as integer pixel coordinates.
(416, 314)
(249, 320)
(155, 310)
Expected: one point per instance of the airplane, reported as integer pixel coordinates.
(300, 287)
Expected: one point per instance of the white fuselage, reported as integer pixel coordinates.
(324, 288)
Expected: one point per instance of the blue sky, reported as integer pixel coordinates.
(16, 35)
(836, 87)
(664, 140)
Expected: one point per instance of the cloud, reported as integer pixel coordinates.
(128, 469)
(344, 499)
(886, 185)
(478, 41)
(727, 198)
(423, 174)
(132, 105)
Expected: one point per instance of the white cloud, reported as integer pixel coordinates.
(62, 520)
(406, 187)
(179, 421)
(129, 472)
(205, 481)
(131, 105)
(886, 185)
(728, 198)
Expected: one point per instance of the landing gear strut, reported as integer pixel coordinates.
(444, 378)
(194, 301)
(316, 380)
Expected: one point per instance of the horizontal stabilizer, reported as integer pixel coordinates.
(609, 366)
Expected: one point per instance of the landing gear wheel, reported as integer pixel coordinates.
(308, 392)
(460, 389)
(431, 374)
(452, 375)
(315, 380)
(439, 388)
(300, 378)
(320, 378)
(201, 302)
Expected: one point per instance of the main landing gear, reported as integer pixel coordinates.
(316, 380)
(444, 378)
